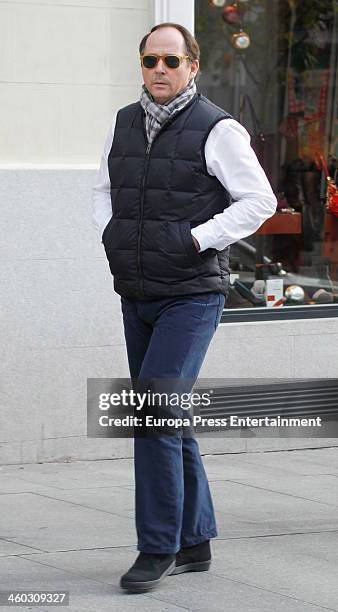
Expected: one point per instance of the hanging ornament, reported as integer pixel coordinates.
(230, 14)
(217, 2)
(240, 40)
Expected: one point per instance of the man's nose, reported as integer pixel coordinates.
(160, 66)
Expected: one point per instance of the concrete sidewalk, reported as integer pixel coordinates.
(70, 526)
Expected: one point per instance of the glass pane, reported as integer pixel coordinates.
(283, 88)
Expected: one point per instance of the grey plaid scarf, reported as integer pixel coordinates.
(158, 114)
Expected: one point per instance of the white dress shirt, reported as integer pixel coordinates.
(230, 157)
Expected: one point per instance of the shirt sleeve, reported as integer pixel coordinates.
(230, 157)
(102, 210)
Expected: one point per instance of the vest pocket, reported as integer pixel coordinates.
(189, 245)
(119, 239)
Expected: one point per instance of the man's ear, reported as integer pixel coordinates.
(194, 68)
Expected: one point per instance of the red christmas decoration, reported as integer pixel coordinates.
(230, 14)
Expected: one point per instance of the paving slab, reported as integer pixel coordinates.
(81, 474)
(105, 565)
(85, 594)
(225, 466)
(207, 591)
(50, 524)
(302, 462)
(8, 548)
(115, 500)
(302, 566)
(242, 509)
(322, 488)
(11, 483)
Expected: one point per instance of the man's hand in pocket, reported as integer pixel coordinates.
(196, 243)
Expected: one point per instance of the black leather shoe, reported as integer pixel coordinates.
(147, 572)
(193, 559)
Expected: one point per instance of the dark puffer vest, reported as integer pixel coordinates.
(158, 194)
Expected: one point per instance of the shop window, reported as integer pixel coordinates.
(273, 65)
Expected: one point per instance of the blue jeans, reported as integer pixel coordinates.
(169, 338)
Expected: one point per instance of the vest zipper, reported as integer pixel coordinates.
(141, 218)
(149, 145)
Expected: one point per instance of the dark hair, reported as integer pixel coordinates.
(191, 44)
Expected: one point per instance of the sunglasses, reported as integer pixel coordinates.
(150, 60)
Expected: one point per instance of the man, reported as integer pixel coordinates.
(172, 165)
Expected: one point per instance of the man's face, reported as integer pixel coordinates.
(162, 82)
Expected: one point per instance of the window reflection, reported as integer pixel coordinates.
(283, 88)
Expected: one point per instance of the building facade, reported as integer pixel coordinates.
(66, 66)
